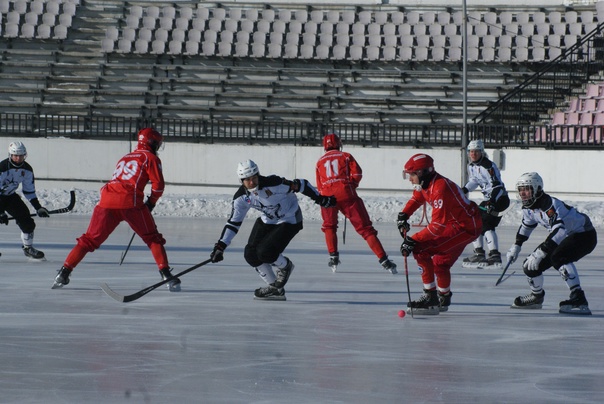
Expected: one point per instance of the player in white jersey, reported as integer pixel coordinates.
(15, 171)
(484, 174)
(280, 220)
(571, 237)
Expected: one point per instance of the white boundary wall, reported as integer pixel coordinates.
(191, 168)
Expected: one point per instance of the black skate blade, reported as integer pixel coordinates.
(432, 311)
(577, 311)
(271, 298)
(531, 307)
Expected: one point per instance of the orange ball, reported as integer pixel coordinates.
(402, 313)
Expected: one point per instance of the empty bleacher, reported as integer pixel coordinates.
(253, 62)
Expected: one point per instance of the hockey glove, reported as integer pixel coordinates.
(3, 218)
(512, 255)
(402, 223)
(407, 246)
(42, 212)
(326, 201)
(217, 253)
(533, 260)
(150, 205)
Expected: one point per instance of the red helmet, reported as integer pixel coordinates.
(422, 165)
(419, 162)
(149, 139)
(332, 142)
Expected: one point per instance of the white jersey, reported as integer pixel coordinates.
(560, 219)
(486, 175)
(274, 198)
(11, 177)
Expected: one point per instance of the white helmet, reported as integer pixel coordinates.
(17, 148)
(247, 169)
(535, 182)
(476, 145)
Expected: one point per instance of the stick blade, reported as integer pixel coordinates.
(111, 293)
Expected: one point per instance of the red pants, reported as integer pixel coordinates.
(354, 210)
(104, 221)
(436, 257)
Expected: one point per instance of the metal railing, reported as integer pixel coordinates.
(300, 133)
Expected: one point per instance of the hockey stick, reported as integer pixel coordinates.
(66, 209)
(344, 231)
(143, 292)
(127, 248)
(501, 279)
(407, 276)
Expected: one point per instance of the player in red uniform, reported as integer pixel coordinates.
(339, 174)
(122, 199)
(455, 223)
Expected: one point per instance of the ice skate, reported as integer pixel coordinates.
(493, 261)
(389, 265)
(31, 252)
(444, 301)
(334, 261)
(62, 278)
(531, 301)
(427, 304)
(474, 261)
(283, 274)
(174, 284)
(269, 293)
(577, 304)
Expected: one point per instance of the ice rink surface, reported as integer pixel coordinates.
(337, 338)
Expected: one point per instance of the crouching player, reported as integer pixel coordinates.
(571, 237)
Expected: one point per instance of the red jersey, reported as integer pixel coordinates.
(127, 186)
(452, 212)
(338, 174)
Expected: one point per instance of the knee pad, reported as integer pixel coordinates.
(27, 225)
(156, 238)
(87, 244)
(250, 256)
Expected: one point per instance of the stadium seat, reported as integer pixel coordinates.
(31, 18)
(218, 13)
(141, 46)
(107, 45)
(191, 47)
(20, 6)
(158, 47)
(124, 45)
(389, 53)
(231, 24)
(194, 35)
(203, 13)
(179, 35)
(43, 31)
(161, 35)
(166, 23)
(310, 27)
(397, 17)
(69, 9)
(372, 52)
(252, 14)
(145, 34)
(539, 17)
(60, 32)
(185, 12)
(285, 15)
(65, 19)
(4, 6)
(307, 51)
(322, 52)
